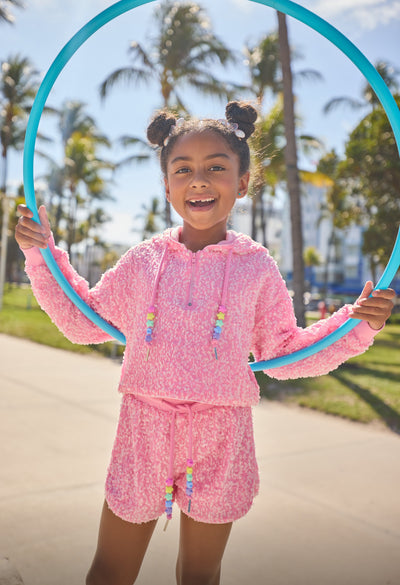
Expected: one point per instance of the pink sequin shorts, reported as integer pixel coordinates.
(225, 472)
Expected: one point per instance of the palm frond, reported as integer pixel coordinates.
(308, 75)
(137, 51)
(130, 160)
(333, 104)
(132, 141)
(127, 75)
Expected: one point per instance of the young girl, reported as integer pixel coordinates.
(192, 302)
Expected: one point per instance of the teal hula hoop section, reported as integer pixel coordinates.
(286, 6)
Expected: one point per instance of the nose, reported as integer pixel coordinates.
(199, 180)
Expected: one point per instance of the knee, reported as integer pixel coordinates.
(102, 575)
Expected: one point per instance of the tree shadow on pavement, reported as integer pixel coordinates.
(388, 414)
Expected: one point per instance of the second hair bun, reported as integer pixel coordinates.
(243, 114)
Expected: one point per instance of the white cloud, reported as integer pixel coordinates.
(367, 13)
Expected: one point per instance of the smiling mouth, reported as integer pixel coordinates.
(201, 202)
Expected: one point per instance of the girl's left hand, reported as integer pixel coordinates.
(376, 309)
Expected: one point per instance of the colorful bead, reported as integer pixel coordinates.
(219, 322)
(150, 324)
(189, 482)
(169, 497)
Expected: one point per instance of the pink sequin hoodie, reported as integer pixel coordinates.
(182, 360)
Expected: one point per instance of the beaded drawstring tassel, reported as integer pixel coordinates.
(218, 327)
(189, 482)
(169, 490)
(150, 325)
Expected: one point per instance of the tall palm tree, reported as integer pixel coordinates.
(182, 53)
(292, 173)
(268, 165)
(263, 61)
(369, 98)
(18, 86)
(78, 181)
(83, 169)
(5, 14)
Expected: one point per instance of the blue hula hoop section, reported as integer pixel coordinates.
(286, 6)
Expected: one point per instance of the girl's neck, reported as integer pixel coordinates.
(195, 240)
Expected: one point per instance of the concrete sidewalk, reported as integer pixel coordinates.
(328, 512)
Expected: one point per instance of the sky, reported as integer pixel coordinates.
(42, 29)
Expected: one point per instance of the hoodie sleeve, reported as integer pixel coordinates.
(106, 298)
(276, 333)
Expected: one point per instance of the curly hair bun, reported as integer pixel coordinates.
(159, 127)
(243, 114)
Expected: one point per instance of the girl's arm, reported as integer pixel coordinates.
(276, 332)
(104, 298)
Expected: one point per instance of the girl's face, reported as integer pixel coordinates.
(202, 185)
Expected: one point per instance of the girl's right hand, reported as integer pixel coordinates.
(28, 232)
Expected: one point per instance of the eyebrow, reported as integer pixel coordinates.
(210, 156)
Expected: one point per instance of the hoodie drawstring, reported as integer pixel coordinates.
(175, 407)
(221, 313)
(222, 307)
(151, 311)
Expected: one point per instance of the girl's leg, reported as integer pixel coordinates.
(201, 548)
(120, 550)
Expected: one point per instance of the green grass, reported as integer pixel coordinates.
(364, 389)
(21, 316)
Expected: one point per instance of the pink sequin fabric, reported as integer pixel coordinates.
(187, 289)
(225, 468)
(190, 320)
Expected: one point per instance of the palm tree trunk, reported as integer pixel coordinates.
(293, 181)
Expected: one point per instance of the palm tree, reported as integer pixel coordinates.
(79, 179)
(150, 214)
(5, 14)
(268, 165)
(83, 168)
(369, 98)
(263, 61)
(292, 173)
(183, 53)
(18, 86)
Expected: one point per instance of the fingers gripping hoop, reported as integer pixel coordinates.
(285, 6)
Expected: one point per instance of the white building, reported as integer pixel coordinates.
(342, 267)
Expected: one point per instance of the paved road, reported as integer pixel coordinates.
(328, 512)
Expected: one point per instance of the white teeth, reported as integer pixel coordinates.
(201, 200)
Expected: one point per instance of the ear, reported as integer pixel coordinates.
(167, 191)
(244, 185)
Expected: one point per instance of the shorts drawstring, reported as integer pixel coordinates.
(175, 408)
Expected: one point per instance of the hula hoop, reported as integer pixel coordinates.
(286, 6)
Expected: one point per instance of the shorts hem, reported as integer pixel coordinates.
(237, 515)
(127, 517)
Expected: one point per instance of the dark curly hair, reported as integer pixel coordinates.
(241, 113)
